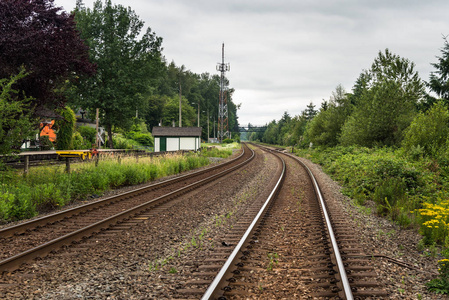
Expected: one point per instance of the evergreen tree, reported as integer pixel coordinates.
(310, 111)
(439, 79)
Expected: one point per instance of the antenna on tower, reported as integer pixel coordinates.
(223, 124)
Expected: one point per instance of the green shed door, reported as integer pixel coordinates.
(163, 144)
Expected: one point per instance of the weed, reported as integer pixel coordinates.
(440, 285)
(273, 259)
(193, 242)
(173, 270)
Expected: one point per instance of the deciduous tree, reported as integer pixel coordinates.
(387, 99)
(15, 119)
(128, 63)
(42, 38)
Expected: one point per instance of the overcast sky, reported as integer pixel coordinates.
(285, 54)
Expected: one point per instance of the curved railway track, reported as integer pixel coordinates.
(28, 240)
(296, 247)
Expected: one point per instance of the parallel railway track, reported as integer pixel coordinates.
(293, 243)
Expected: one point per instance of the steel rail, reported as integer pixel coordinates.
(15, 261)
(219, 281)
(344, 278)
(42, 221)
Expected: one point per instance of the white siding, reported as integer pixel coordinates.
(157, 144)
(172, 144)
(187, 143)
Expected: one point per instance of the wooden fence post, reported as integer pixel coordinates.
(67, 165)
(27, 165)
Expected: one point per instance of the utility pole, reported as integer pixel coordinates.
(97, 140)
(223, 125)
(180, 105)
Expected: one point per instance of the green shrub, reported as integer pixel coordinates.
(79, 142)
(16, 204)
(123, 143)
(228, 141)
(66, 127)
(428, 131)
(47, 196)
(88, 133)
(387, 194)
(144, 139)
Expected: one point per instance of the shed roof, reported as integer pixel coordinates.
(177, 131)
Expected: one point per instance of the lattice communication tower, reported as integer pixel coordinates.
(223, 124)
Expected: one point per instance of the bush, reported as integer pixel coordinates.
(228, 141)
(48, 196)
(144, 139)
(66, 127)
(88, 133)
(16, 204)
(123, 143)
(78, 141)
(388, 193)
(428, 132)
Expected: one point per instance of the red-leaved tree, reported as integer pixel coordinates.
(42, 38)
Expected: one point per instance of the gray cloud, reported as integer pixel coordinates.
(285, 54)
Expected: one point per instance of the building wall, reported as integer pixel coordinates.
(172, 143)
(157, 144)
(187, 143)
(178, 143)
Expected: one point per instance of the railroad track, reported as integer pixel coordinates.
(36, 238)
(295, 246)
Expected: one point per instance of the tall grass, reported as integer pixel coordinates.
(49, 187)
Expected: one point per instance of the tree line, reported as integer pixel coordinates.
(389, 105)
(94, 58)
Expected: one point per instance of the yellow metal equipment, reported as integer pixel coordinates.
(75, 153)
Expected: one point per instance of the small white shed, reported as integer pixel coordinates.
(176, 138)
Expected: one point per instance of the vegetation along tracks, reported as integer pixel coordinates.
(298, 246)
(38, 237)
